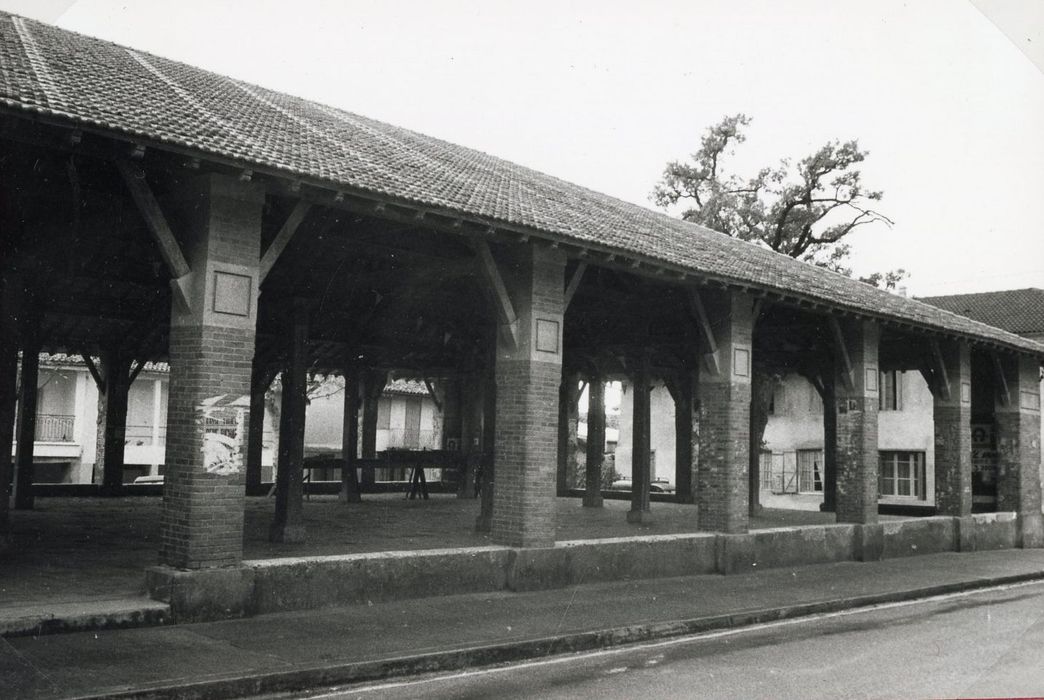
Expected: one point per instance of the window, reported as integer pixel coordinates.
(810, 471)
(890, 391)
(778, 402)
(902, 475)
(765, 469)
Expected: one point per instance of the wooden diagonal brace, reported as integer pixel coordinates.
(942, 379)
(135, 371)
(156, 222)
(433, 394)
(506, 318)
(712, 358)
(847, 376)
(99, 381)
(279, 243)
(1003, 394)
(574, 283)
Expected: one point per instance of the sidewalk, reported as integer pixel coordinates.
(341, 645)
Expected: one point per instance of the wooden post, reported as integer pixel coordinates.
(259, 382)
(640, 444)
(372, 388)
(11, 293)
(288, 523)
(484, 522)
(350, 439)
(112, 437)
(23, 495)
(683, 452)
(595, 441)
(568, 396)
(829, 504)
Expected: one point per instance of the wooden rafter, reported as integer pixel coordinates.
(942, 379)
(506, 318)
(282, 239)
(574, 284)
(712, 358)
(847, 376)
(134, 177)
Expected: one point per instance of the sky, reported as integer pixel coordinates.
(605, 93)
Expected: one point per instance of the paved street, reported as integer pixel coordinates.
(989, 643)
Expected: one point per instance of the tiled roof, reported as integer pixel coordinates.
(405, 387)
(1017, 310)
(95, 84)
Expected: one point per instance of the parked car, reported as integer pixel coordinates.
(657, 486)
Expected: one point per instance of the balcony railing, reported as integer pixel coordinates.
(142, 435)
(53, 427)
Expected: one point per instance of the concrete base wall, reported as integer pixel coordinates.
(618, 559)
(905, 538)
(277, 585)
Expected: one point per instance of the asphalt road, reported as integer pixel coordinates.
(989, 643)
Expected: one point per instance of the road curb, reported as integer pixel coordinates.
(493, 654)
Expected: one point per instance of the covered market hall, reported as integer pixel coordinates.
(151, 211)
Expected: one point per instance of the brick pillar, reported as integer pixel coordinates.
(724, 417)
(112, 419)
(952, 414)
(595, 441)
(681, 388)
(568, 419)
(11, 293)
(527, 379)
(260, 380)
(288, 519)
(641, 444)
(856, 405)
(1018, 447)
(211, 346)
(23, 490)
(350, 439)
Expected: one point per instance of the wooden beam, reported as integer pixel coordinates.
(135, 371)
(847, 376)
(506, 318)
(711, 358)
(432, 394)
(99, 381)
(574, 283)
(279, 243)
(1002, 382)
(942, 379)
(156, 222)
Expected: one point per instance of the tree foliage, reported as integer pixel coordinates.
(801, 209)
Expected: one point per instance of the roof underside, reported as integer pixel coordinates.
(91, 84)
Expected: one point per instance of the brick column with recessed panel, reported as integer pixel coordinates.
(952, 417)
(218, 221)
(724, 416)
(1017, 416)
(857, 393)
(528, 374)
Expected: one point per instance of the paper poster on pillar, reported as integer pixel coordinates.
(222, 419)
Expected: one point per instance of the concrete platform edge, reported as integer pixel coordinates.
(337, 675)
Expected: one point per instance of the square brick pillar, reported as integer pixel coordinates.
(952, 413)
(856, 445)
(218, 221)
(527, 376)
(1018, 446)
(724, 416)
